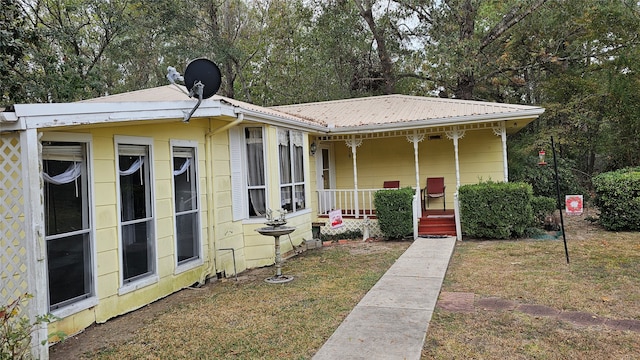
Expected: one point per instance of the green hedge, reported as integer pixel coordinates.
(395, 212)
(496, 210)
(618, 198)
(542, 207)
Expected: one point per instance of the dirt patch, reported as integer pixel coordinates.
(462, 302)
(103, 337)
(537, 310)
(456, 301)
(120, 329)
(496, 304)
(581, 318)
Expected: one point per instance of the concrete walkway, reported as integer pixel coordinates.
(391, 320)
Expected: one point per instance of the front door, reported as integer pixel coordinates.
(325, 178)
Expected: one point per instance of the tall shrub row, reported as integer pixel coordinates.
(496, 210)
(618, 199)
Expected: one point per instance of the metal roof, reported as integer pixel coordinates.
(349, 116)
(406, 111)
(178, 93)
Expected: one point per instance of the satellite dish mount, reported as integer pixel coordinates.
(201, 77)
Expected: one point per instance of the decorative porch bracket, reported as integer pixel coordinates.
(353, 143)
(455, 135)
(501, 131)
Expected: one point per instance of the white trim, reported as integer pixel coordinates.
(138, 284)
(327, 201)
(67, 114)
(92, 300)
(153, 277)
(239, 172)
(36, 247)
(193, 263)
(291, 144)
(76, 307)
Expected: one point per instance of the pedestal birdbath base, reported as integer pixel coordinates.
(277, 230)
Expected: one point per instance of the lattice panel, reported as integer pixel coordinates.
(354, 225)
(13, 251)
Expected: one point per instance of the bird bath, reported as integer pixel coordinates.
(276, 229)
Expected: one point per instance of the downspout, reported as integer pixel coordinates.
(210, 210)
(238, 120)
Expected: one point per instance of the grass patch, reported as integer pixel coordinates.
(252, 319)
(513, 335)
(602, 279)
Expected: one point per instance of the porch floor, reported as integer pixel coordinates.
(432, 222)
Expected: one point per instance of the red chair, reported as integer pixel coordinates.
(395, 184)
(435, 189)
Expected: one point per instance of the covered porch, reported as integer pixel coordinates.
(406, 139)
(359, 204)
(350, 169)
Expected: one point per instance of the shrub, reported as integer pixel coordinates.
(395, 212)
(618, 198)
(542, 207)
(542, 178)
(348, 234)
(496, 210)
(16, 328)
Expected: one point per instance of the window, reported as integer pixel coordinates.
(290, 150)
(136, 211)
(248, 174)
(256, 187)
(67, 222)
(186, 202)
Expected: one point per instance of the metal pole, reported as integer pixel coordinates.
(555, 167)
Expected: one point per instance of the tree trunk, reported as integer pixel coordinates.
(386, 64)
(466, 79)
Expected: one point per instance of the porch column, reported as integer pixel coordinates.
(353, 143)
(415, 139)
(502, 132)
(36, 247)
(454, 135)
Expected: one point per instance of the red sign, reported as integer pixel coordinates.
(573, 204)
(335, 218)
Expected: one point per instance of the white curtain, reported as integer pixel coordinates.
(255, 170)
(71, 174)
(183, 169)
(133, 168)
(285, 156)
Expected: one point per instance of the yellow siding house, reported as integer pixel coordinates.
(112, 203)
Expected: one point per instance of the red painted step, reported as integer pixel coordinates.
(441, 223)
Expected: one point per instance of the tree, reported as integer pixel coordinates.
(73, 36)
(15, 39)
(465, 41)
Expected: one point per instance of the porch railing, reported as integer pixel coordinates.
(352, 202)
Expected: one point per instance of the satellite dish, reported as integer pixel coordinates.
(202, 71)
